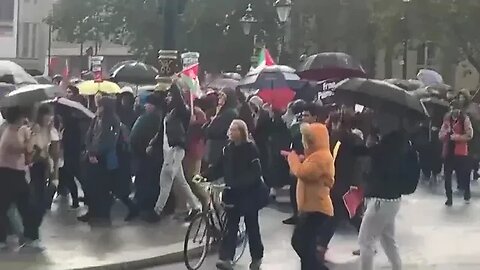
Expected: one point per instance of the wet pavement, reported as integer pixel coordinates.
(430, 235)
(74, 245)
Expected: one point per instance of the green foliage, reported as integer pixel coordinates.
(212, 26)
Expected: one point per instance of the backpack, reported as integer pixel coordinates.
(409, 170)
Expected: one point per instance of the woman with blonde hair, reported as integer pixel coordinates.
(240, 166)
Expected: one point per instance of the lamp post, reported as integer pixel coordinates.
(404, 21)
(168, 60)
(248, 20)
(283, 8)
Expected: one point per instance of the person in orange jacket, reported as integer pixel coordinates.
(315, 179)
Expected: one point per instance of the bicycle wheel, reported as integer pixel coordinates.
(242, 237)
(197, 242)
(242, 240)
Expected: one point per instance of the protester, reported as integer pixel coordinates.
(73, 93)
(101, 142)
(315, 179)
(392, 170)
(260, 133)
(456, 132)
(42, 188)
(122, 182)
(72, 143)
(175, 129)
(125, 109)
(216, 129)
(15, 145)
(244, 111)
(247, 193)
(192, 163)
(307, 114)
(146, 142)
(348, 172)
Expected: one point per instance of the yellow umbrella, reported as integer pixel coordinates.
(88, 88)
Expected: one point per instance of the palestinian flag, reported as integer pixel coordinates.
(189, 76)
(265, 59)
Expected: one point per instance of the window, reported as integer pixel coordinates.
(426, 53)
(7, 8)
(33, 48)
(27, 40)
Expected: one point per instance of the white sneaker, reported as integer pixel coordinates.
(34, 245)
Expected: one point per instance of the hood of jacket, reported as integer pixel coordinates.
(231, 99)
(316, 137)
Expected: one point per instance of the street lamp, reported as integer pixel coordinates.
(404, 21)
(283, 8)
(247, 21)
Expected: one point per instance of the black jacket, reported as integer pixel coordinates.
(241, 169)
(239, 166)
(216, 130)
(144, 130)
(347, 171)
(178, 120)
(386, 162)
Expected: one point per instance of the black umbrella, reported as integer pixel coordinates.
(30, 94)
(12, 73)
(134, 72)
(322, 66)
(379, 95)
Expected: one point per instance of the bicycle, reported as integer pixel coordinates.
(207, 229)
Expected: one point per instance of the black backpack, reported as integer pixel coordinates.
(409, 170)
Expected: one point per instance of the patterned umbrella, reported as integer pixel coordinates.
(274, 84)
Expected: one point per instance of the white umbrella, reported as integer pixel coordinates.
(28, 95)
(429, 77)
(72, 104)
(11, 72)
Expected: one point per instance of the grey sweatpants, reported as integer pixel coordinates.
(379, 224)
(172, 175)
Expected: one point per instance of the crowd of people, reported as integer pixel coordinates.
(162, 142)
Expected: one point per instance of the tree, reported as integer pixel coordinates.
(323, 25)
(450, 24)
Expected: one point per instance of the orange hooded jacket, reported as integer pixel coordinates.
(316, 173)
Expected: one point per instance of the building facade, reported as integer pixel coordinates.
(427, 55)
(24, 36)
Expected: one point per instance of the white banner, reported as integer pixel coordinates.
(190, 58)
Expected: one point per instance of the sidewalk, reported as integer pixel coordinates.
(431, 237)
(74, 245)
